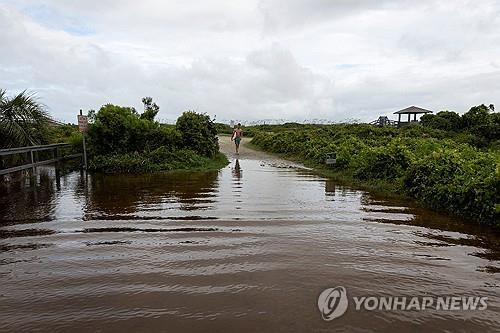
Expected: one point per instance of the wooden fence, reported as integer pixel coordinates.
(33, 156)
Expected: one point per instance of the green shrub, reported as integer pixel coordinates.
(121, 140)
(223, 128)
(160, 159)
(459, 180)
(164, 136)
(425, 163)
(480, 126)
(383, 162)
(76, 141)
(120, 130)
(444, 120)
(198, 132)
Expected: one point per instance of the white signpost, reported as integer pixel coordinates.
(83, 124)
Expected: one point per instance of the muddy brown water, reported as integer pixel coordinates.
(248, 248)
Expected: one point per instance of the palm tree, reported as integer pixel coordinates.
(23, 120)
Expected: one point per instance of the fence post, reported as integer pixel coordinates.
(56, 156)
(84, 146)
(58, 165)
(84, 153)
(32, 163)
(1, 167)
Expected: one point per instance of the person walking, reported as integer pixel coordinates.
(237, 134)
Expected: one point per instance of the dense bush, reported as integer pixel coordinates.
(198, 132)
(122, 140)
(387, 162)
(67, 133)
(427, 164)
(223, 128)
(120, 130)
(480, 126)
(444, 120)
(460, 180)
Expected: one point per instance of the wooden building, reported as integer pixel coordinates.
(410, 111)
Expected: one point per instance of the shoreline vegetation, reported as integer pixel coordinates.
(123, 141)
(119, 139)
(447, 167)
(448, 162)
(156, 161)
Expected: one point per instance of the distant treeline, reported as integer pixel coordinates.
(250, 131)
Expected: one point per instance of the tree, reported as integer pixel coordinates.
(476, 118)
(23, 120)
(198, 132)
(118, 130)
(91, 114)
(443, 120)
(121, 130)
(150, 109)
(482, 122)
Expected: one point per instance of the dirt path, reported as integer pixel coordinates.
(247, 153)
(227, 148)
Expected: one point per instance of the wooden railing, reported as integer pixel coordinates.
(384, 121)
(33, 151)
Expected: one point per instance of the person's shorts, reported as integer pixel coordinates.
(237, 140)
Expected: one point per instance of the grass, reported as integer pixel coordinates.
(156, 161)
(218, 162)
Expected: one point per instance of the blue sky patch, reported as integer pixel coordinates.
(53, 19)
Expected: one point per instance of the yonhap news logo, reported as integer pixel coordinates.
(333, 303)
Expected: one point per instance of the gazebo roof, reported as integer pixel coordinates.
(412, 110)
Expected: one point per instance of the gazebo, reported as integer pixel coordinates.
(412, 110)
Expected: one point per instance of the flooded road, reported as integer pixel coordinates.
(248, 248)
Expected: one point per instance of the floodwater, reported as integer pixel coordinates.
(249, 248)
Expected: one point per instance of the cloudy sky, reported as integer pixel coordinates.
(293, 59)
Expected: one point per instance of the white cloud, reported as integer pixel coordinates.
(253, 59)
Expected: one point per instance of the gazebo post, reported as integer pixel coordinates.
(412, 110)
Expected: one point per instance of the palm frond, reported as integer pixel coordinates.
(22, 119)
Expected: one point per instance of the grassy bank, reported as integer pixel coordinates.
(417, 162)
(155, 161)
(343, 177)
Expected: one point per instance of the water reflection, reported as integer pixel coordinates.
(237, 184)
(125, 194)
(237, 172)
(168, 248)
(30, 200)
